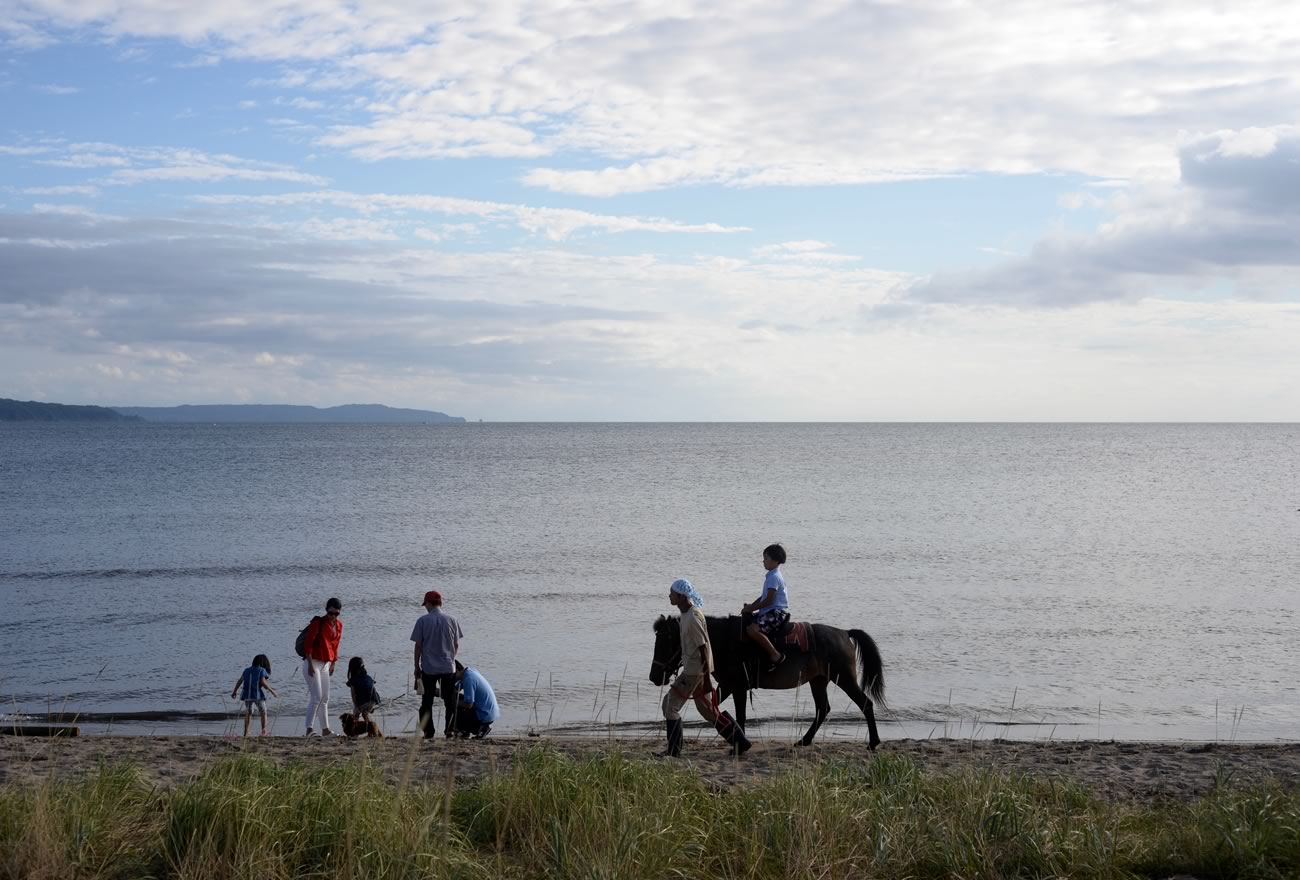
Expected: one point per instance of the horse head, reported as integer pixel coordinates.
(668, 650)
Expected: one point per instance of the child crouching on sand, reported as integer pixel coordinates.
(254, 680)
(365, 697)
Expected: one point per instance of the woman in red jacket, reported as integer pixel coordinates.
(321, 645)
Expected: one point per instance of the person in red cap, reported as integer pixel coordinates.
(437, 638)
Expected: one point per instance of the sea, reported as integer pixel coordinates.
(1031, 581)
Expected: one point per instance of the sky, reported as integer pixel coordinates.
(671, 210)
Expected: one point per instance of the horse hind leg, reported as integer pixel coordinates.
(823, 703)
(849, 685)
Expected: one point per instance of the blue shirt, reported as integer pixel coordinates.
(251, 683)
(775, 581)
(477, 692)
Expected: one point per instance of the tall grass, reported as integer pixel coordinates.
(611, 816)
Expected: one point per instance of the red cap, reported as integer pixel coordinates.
(433, 597)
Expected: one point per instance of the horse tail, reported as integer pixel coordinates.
(871, 669)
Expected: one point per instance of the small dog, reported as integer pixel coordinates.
(354, 726)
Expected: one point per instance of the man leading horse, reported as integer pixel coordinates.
(826, 654)
(695, 682)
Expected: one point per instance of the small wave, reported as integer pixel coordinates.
(368, 569)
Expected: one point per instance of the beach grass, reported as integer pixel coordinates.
(608, 815)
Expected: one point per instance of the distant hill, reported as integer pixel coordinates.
(35, 411)
(353, 413)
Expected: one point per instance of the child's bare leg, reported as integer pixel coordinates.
(763, 642)
(248, 716)
(262, 715)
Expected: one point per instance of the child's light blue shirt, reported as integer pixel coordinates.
(775, 581)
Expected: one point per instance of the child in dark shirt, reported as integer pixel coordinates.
(365, 698)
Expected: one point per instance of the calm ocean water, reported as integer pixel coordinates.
(1066, 581)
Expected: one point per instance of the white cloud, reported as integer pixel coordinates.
(54, 89)
(64, 190)
(552, 223)
(648, 95)
(806, 251)
(23, 150)
(208, 60)
(132, 165)
(557, 334)
(1233, 219)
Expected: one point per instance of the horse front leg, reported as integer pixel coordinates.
(823, 704)
(742, 698)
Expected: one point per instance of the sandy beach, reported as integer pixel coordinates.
(1115, 770)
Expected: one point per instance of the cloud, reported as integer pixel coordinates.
(134, 165)
(644, 96)
(203, 300)
(552, 223)
(1233, 218)
(199, 61)
(807, 251)
(63, 190)
(23, 150)
(52, 89)
(198, 310)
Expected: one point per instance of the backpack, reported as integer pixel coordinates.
(300, 643)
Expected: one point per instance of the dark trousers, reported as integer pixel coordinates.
(433, 685)
(468, 723)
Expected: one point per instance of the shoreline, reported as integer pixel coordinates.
(1115, 770)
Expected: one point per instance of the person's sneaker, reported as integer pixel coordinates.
(327, 732)
(483, 731)
(310, 732)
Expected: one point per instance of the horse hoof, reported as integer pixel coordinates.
(872, 745)
(801, 744)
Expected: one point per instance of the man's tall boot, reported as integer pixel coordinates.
(729, 730)
(674, 739)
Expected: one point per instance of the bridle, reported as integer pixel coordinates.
(671, 666)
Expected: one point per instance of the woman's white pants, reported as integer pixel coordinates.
(318, 692)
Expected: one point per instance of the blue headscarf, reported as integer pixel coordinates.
(683, 586)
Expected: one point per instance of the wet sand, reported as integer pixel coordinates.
(1116, 770)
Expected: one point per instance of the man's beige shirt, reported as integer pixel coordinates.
(695, 632)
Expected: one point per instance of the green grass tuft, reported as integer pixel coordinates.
(611, 816)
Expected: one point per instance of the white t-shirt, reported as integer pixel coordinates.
(775, 581)
(695, 635)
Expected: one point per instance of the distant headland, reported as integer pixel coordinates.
(35, 411)
(354, 413)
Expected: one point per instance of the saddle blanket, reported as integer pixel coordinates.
(800, 635)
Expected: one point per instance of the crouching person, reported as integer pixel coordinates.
(477, 710)
(695, 681)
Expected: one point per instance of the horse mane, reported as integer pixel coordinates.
(728, 628)
(731, 627)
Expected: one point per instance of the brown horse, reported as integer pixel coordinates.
(737, 664)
